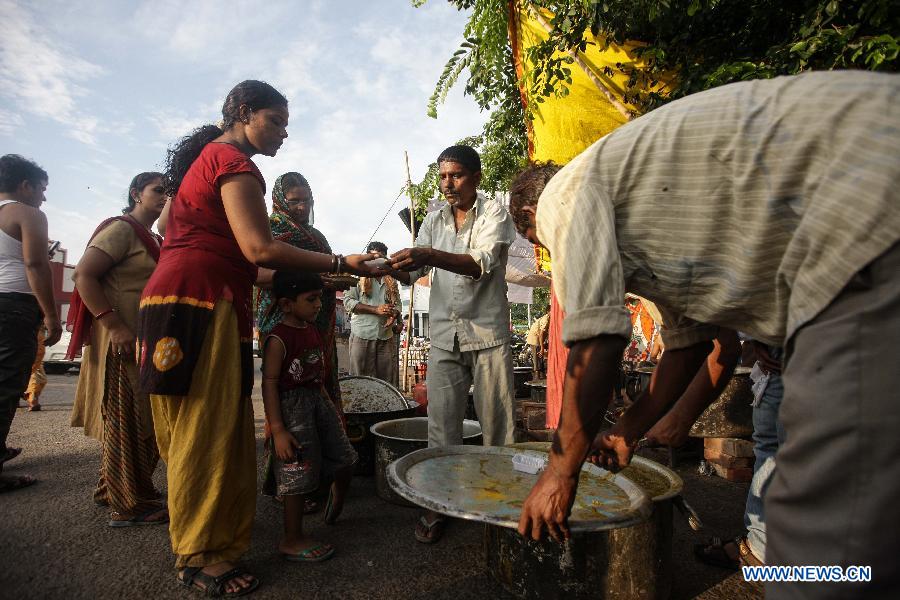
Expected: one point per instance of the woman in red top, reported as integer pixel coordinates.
(195, 332)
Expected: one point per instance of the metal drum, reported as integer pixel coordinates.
(520, 376)
(366, 401)
(637, 380)
(622, 563)
(538, 390)
(397, 438)
(731, 415)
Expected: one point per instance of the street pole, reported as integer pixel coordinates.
(412, 283)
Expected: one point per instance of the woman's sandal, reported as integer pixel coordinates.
(141, 519)
(15, 482)
(10, 454)
(214, 587)
(332, 512)
(318, 553)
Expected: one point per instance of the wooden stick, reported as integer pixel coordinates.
(412, 283)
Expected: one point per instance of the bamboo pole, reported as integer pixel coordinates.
(412, 283)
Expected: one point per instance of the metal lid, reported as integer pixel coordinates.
(658, 481)
(415, 429)
(363, 394)
(479, 484)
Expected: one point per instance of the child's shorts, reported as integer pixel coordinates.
(310, 416)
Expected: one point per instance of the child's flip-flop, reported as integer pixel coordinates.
(317, 553)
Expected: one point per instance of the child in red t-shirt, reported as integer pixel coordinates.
(308, 439)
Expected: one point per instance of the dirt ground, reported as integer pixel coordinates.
(56, 543)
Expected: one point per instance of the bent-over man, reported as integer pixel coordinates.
(768, 207)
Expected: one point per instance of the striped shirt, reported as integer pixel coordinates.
(749, 206)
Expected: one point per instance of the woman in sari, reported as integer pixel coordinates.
(195, 328)
(109, 278)
(291, 222)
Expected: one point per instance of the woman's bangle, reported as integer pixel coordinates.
(334, 263)
(99, 316)
(342, 263)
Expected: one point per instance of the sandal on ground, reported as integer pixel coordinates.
(34, 408)
(748, 559)
(141, 519)
(433, 530)
(214, 587)
(332, 512)
(714, 553)
(317, 553)
(17, 482)
(10, 454)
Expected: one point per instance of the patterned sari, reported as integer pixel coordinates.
(287, 229)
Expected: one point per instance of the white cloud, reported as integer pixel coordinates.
(42, 77)
(10, 122)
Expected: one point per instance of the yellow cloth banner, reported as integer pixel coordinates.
(563, 127)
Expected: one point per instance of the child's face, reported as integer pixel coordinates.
(306, 306)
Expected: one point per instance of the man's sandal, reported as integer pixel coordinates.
(433, 530)
(214, 587)
(714, 553)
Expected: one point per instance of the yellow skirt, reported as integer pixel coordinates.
(207, 441)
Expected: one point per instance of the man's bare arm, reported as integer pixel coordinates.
(33, 224)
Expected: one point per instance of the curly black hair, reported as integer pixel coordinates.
(254, 94)
(526, 189)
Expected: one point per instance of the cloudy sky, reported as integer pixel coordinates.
(95, 92)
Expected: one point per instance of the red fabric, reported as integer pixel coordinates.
(80, 320)
(303, 363)
(200, 257)
(200, 263)
(557, 356)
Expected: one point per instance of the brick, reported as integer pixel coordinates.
(733, 446)
(726, 460)
(741, 475)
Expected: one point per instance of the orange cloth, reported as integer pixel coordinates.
(557, 356)
(38, 380)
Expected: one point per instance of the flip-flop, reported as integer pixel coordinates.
(435, 529)
(17, 482)
(10, 454)
(318, 553)
(141, 519)
(214, 587)
(34, 408)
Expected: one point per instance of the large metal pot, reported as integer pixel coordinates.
(731, 415)
(360, 421)
(624, 563)
(399, 437)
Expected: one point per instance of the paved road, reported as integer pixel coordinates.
(55, 542)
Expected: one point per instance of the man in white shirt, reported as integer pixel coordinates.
(26, 292)
(465, 246)
(770, 207)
